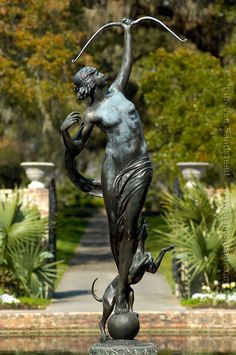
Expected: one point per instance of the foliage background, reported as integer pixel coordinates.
(181, 91)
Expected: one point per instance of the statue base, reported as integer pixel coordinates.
(122, 347)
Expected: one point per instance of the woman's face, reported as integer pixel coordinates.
(100, 79)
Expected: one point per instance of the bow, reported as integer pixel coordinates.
(119, 24)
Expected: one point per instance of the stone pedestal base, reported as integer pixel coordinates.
(123, 347)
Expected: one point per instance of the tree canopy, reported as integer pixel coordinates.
(181, 88)
(37, 44)
(184, 103)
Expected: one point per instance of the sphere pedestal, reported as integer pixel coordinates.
(122, 347)
(123, 325)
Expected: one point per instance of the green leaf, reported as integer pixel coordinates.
(232, 260)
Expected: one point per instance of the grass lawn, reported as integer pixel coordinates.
(70, 229)
(155, 243)
(27, 303)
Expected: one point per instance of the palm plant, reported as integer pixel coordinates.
(197, 225)
(18, 224)
(31, 267)
(228, 225)
(23, 257)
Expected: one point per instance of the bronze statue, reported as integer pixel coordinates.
(126, 170)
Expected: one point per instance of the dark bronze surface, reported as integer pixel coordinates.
(141, 263)
(126, 170)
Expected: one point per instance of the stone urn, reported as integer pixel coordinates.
(192, 170)
(37, 172)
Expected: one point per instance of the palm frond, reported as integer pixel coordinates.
(197, 227)
(232, 260)
(21, 247)
(32, 267)
(18, 223)
(9, 207)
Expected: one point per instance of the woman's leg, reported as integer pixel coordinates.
(128, 244)
(111, 211)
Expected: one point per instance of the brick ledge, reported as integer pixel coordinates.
(176, 322)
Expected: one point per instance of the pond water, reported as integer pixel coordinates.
(78, 353)
(80, 344)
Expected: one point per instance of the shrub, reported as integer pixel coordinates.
(203, 230)
(23, 257)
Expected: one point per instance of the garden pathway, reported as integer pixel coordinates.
(93, 259)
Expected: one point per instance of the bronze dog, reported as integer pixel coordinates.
(141, 263)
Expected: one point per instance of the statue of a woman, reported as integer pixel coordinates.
(126, 169)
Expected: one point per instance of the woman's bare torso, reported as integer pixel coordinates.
(120, 121)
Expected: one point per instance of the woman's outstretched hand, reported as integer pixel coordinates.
(126, 22)
(70, 120)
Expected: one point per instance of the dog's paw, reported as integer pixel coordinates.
(104, 338)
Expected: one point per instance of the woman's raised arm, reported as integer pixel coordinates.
(127, 58)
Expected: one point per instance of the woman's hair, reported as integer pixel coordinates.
(84, 82)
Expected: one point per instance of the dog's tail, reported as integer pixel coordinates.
(93, 293)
